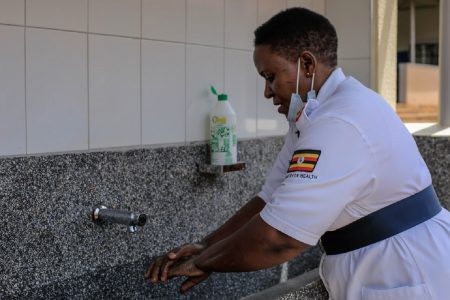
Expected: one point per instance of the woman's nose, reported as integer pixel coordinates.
(268, 93)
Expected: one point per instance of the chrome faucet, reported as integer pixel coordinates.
(103, 214)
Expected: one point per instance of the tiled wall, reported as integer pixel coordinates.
(89, 74)
(354, 33)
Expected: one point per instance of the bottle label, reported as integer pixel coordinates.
(223, 144)
(219, 120)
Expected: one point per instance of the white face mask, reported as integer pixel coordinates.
(296, 103)
(311, 98)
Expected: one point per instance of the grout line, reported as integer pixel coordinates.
(141, 33)
(88, 79)
(140, 78)
(223, 47)
(25, 73)
(185, 71)
(12, 25)
(129, 37)
(161, 40)
(354, 58)
(256, 83)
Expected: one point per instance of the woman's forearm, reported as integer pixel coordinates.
(240, 218)
(255, 246)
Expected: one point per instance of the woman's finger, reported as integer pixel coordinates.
(191, 282)
(185, 250)
(186, 268)
(165, 269)
(148, 272)
(154, 273)
(187, 285)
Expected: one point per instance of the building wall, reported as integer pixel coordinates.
(427, 27)
(384, 49)
(354, 33)
(419, 84)
(99, 74)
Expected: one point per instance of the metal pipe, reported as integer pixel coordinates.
(107, 215)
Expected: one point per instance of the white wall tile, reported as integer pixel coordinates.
(205, 22)
(353, 26)
(357, 68)
(12, 91)
(163, 92)
(114, 93)
(204, 67)
(164, 20)
(12, 12)
(240, 23)
(269, 121)
(240, 85)
(316, 5)
(57, 115)
(58, 14)
(57, 86)
(117, 17)
(269, 8)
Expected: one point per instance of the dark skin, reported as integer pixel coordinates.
(245, 242)
(158, 270)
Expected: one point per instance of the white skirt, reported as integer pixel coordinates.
(414, 264)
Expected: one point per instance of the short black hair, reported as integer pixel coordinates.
(298, 29)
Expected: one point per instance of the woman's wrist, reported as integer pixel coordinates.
(199, 265)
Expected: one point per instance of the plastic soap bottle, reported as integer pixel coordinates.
(223, 140)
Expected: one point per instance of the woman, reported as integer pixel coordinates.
(349, 175)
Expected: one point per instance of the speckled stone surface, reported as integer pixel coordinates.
(50, 248)
(305, 262)
(313, 291)
(436, 153)
(305, 286)
(126, 282)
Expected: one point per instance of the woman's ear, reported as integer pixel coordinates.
(308, 63)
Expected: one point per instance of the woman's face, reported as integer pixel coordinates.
(280, 75)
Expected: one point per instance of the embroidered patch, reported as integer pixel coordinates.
(304, 161)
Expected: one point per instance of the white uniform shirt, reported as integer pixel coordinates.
(347, 158)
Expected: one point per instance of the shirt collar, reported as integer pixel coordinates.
(333, 81)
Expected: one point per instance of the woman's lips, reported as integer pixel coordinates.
(282, 109)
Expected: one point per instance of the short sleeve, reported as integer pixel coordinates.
(276, 175)
(331, 167)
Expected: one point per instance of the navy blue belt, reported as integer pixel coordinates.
(383, 223)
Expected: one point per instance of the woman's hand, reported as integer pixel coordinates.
(188, 268)
(159, 269)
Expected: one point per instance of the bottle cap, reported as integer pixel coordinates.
(222, 97)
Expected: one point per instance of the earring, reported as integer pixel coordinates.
(308, 74)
